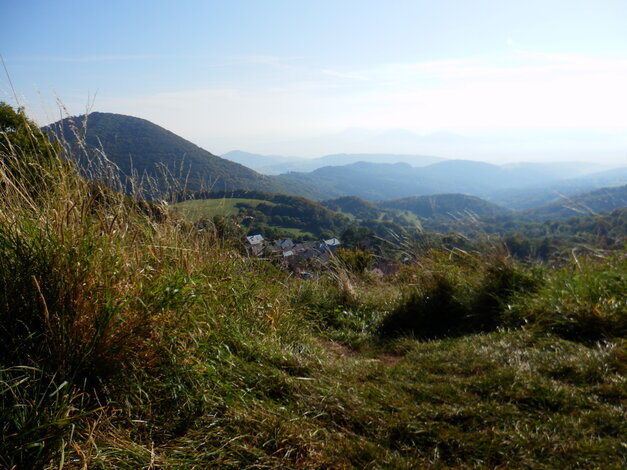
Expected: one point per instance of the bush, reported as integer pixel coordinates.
(355, 260)
(469, 298)
(584, 301)
(431, 313)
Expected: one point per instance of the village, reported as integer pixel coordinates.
(304, 258)
(293, 255)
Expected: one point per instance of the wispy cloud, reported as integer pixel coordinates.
(524, 89)
(94, 58)
(346, 75)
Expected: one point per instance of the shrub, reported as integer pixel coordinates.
(355, 260)
(467, 298)
(431, 313)
(584, 301)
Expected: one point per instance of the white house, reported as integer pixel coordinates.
(254, 239)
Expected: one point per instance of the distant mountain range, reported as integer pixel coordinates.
(142, 151)
(543, 193)
(514, 186)
(275, 164)
(497, 146)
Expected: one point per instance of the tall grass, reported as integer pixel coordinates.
(89, 281)
(584, 301)
(115, 301)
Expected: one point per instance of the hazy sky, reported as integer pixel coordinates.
(273, 75)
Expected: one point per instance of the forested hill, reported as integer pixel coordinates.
(601, 200)
(446, 205)
(355, 206)
(137, 146)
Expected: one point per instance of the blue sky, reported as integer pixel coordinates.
(283, 76)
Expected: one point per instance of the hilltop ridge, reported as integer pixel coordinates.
(138, 146)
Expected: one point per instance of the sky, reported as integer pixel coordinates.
(495, 80)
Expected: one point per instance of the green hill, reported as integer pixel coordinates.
(270, 214)
(451, 206)
(354, 206)
(137, 146)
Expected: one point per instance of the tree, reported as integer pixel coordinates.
(27, 154)
(20, 136)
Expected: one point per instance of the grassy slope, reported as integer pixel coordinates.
(131, 340)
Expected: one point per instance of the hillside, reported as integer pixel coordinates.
(354, 206)
(450, 206)
(137, 146)
(273, 215)
(600, 200)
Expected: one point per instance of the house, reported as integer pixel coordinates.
(285, 243)
(253, 240)
(255, 244)
(332, 243)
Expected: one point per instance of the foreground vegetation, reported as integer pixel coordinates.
(129, 339)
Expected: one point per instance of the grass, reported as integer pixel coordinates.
(128, 339)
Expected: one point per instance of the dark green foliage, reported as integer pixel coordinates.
(20, 136)
(446, 206)
(433, 313)
(455, 304)
(26, 152)
(355, 206)
(355, 260)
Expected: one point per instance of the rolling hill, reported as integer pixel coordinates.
(451, 206)
(138, 147)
